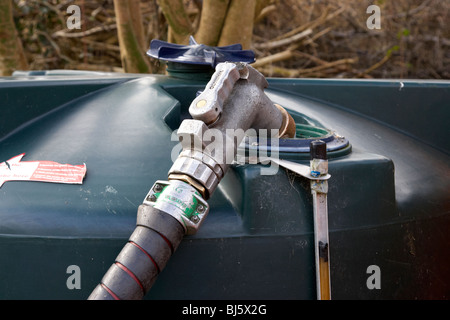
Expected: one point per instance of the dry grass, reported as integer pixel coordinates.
(294, 38)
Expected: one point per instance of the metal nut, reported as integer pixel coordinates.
(157, 188)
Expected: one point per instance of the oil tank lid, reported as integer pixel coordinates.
(199, 54)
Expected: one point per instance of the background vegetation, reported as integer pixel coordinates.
(291, 38)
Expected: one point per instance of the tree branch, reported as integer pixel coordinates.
(238, 26)
(211, 21)
(12, 56)
(283, 42)
(131, 51)
(178, 20)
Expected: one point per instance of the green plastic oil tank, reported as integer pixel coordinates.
(388, 200)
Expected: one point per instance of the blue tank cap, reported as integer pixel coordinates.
(199, 54)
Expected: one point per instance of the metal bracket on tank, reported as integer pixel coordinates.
(304, 171)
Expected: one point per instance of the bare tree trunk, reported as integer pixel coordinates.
(12, 56)
(238, 26)
(138, 26)
(131, 37)
(211, 22)
(180, 27)
(222, 22)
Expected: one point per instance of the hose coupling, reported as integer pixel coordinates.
(180, 200)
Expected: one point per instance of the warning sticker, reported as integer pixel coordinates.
(45, 171)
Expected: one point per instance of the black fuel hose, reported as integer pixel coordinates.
(149, 248)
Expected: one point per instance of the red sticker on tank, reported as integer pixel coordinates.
(44, 171)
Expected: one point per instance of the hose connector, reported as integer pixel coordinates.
(180, 200)
(233, 102)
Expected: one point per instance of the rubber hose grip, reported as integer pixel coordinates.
(155, 239)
